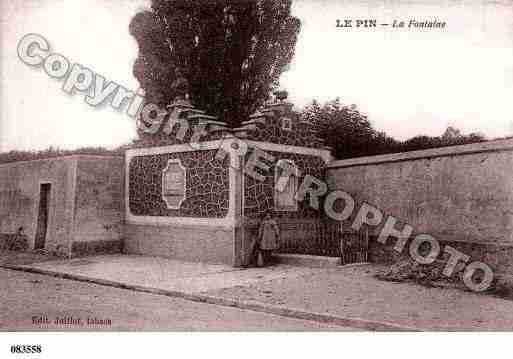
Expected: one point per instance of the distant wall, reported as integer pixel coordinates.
(19, 199)
(86, 202)
(461, 194)
(99, 205)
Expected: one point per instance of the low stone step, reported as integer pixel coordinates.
(305, 260)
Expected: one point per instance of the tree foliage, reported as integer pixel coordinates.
(423, 142)
(347, 131)
(232, 52)
(351, 134)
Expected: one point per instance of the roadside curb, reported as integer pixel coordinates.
(356, 323)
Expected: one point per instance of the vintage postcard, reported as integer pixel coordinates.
(254, 166)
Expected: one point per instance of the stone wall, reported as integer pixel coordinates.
(461, 195)
(188, 243)
(298, 228)
(279, 124)
(295, 226)
(19, 199)
(259, 196)
(300, 133)
(99, 205)
(201, 229)
(206, 185)
(85, 207)
(208, 225)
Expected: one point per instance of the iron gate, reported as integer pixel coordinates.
(354, 247)
(330, 241)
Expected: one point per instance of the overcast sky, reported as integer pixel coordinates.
(409, 82)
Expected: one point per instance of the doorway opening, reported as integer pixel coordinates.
(42, 217)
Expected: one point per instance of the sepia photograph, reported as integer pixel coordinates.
(257, 166)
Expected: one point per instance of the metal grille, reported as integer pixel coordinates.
(329, 240)
(325, 241)
(354, 247)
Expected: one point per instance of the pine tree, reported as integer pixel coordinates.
(232, 52)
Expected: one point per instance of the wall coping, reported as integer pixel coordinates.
(63, 157)
(218, 144)
(325, 154)
(490, 146)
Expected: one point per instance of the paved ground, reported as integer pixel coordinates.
(343, 292)
(354, 292)
(169, 274)
(25, 295)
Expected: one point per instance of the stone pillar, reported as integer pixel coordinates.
(237, 181)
